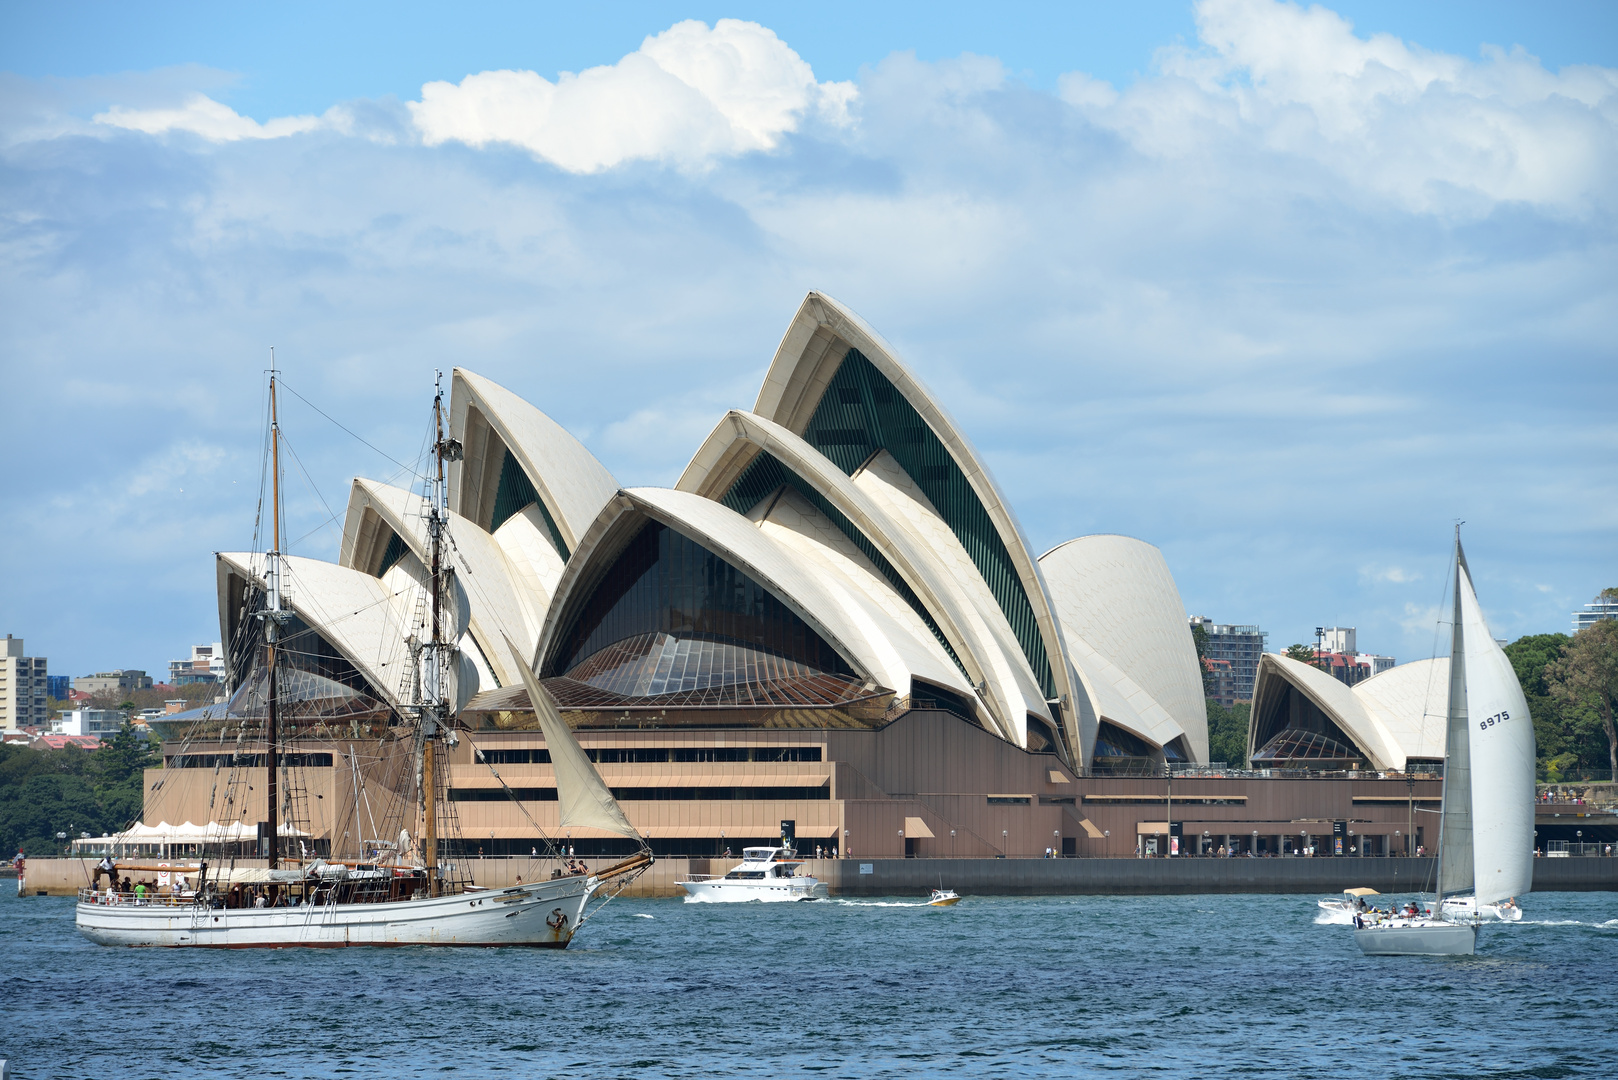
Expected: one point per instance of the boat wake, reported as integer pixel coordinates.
(1609, 924)
(881, 903)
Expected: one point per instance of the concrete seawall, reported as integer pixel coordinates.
(1018, 877)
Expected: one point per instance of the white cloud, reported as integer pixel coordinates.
(1431, 131)
(687, 96)
(202, 115)
(1422, 619)
(1248, 354)
(1392, 575)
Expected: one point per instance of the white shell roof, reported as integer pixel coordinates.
(895, 631)
(804, 364)
(854, 626)
(504, 599)
(949, 587)
(1393, 716)
(1410, 702)
(573, 484)
(366, 619)
(1126, 630)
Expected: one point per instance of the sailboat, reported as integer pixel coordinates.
(412, 896)
(1486, 831)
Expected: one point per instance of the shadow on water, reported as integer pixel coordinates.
(1179, 986)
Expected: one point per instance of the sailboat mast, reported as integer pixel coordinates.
(433, 703)
(272, 626)
(1455, 713)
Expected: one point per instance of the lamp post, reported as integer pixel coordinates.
(1395, 842)
(1106, 835)
(952, 843)
(1255, 844)
(1168, 825)
(1410, 804)
(1004, 843)
(1207, 837)
(1056, 843)
(1304, 833)
(846, 853)
(902, 850)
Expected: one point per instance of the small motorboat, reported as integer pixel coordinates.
(1343, 910)
(943, 898)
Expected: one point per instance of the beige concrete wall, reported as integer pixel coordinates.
(931, 766)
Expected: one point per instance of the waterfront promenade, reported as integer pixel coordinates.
(1014, 877)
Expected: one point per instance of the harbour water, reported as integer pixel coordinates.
(1173, 986)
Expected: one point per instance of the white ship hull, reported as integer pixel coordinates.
(544, 914)
(720, 891)
(1422, 937)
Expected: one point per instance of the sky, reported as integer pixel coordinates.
(1285, 290)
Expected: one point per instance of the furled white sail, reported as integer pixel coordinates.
(1455, 871)
(583, 795)
(1502, 760)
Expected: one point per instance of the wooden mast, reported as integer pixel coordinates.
(272, 626)
(433, 707)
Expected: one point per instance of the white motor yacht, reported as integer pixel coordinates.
(1466, 907)
(766, 873)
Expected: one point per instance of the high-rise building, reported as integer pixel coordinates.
(1594, 612)
(22, 687)
(1241, 645)
(58, 687)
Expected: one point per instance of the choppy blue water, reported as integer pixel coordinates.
(1175, 986)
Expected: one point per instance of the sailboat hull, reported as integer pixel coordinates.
(542, 915)
(1418, 939)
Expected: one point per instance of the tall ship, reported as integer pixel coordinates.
(411, 885)
(1486, 831)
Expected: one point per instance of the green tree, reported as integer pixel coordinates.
(1227, 734)
(44, 792)
(1303, 654)
(1530, 656)
(1199, 638)
(1586, 677)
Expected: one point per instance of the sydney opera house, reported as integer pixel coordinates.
(832, 618)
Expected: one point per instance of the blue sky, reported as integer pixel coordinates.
(1283, 290)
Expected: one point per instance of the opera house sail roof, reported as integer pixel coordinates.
(832, 557)
(1304, 718)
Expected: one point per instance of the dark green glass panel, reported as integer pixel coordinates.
(515, 493)
(862, 412)
(396, 550)
(665, 583)
(766, 474)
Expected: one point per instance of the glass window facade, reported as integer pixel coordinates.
(1293, 729)
(669, 616)
(862, 412)
(396, 550)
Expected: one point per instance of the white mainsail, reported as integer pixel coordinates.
(583, 795)
(1455, 871)
(1501, 744)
